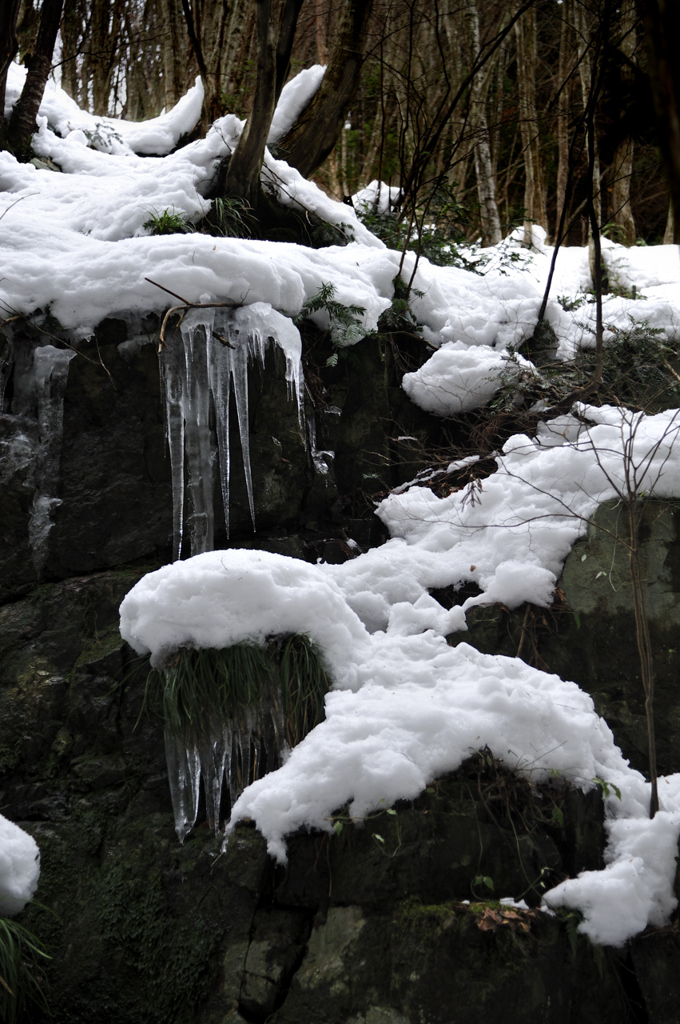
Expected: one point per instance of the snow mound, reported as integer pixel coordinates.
(222, 598)
(459, 378)
(19, 867)
(158, 136)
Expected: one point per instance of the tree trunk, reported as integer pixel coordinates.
(622, 165)
(587, 72)
(275, 35)
(662, 20)
(669, 233)
(562, 127)
(622, 173)
(486, 184)
(174, 53)
(309, 141)
(9, 12)
(527, 60)
(22, 121)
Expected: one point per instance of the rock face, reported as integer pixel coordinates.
(369, 923)
(589, 634)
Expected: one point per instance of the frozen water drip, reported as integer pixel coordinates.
(207, 359)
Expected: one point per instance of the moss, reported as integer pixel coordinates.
(10, 756)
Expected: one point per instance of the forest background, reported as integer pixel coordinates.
(485, 114)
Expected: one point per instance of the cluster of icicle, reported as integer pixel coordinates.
(234, 754)
(201, 363)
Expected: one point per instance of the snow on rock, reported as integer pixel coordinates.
(406, 708)
(19, 867)
(636, 886)
(158, 135)
(459, 378)
(295, 96)
(222, 598)
(511, 532)
(292, 189)
(423, 709)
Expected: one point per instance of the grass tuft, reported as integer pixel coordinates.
(21, 953)
(203, 685)
(168, 222)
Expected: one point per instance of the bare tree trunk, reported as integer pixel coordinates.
(486, 184)
(662, 20)
(563, 116)
(243, 168)
(320, 33)
(174, 53)
(527, 60)
(622, 173)
(307, 144)
(669, 233)
(372, 148)
(586, 73)
(71, 26)
(22, 121)
(644, 643)
(9, 12)
(622, 165)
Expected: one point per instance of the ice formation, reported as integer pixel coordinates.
(204, 360)
(50, 368)
(41, 373)
(19, 867)
(240, 599)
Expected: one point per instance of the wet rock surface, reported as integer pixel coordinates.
(367, 924)
(589, 634)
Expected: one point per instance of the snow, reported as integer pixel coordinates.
(459, 378)
(295, 96)
(19, 867)
(377, 198)
(221, 598)
(405, 706)
(157, 136)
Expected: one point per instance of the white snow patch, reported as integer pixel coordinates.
(295, 96)
(158, 135)
(459, 378)
(19, 867)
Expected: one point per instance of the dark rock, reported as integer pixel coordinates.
(589, 635)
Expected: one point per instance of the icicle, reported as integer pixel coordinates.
(196, 330)
(50, 373)
(320, 464)
(220, 386)
(213, 757)
(184, 775)
(197, 365)
(172, 376)
(229, 368)
(240, 384)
